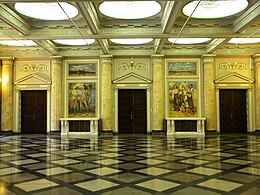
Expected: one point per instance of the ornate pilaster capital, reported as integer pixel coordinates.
(7, 61)
(106, 59)
(157, 59)
(56, 60)
(208, 58)
(257, 59)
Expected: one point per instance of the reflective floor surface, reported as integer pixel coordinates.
(136, 165)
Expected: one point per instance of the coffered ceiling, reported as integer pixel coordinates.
(90, 23)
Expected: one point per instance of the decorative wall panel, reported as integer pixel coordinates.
(226, 66)
(25, 68)
(126, 66)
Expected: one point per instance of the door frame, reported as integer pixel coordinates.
(249, 106)
(18, 106)
(148, 103)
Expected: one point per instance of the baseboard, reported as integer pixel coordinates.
(54, 132)
(7, 133)
(211, 132)
(256, 132)
(158, 132)
(106, 132)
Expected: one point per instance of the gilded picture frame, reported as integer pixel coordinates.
(80, 69)
(183, 99)
(82, 99)
(182, 68)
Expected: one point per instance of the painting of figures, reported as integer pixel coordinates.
(183, 99)
(82, 100)
(82, 69)
(182, 68)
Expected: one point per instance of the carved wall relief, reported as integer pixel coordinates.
(138, 66)
(232, 65)
(226, 66)
(34, 67)
(25, 68)
(131, 66)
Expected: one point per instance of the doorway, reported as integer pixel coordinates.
(34, 112)
(233, 110)
(132, 114)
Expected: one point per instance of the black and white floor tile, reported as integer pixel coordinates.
(130, 164)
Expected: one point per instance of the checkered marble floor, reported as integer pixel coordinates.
(130, 164)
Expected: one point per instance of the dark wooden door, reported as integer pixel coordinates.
(132, 117)
(34, 112)
(233, 114)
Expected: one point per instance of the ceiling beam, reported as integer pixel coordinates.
(171, 11)
(48, 46)
(103, 43)
(88, 12)
(247, 18)
(20, 25)
(72, 33)
(158, 45)
(14, 20)
(214, 44)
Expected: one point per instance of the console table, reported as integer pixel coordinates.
(79, 126)
(185, 126)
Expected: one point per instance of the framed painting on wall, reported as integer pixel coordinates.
(82, 69)
(182, 99)
(82, 99)
(182, 68)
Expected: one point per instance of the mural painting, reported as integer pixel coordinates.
(183, 99)
(82, 100)
(82, 69)
(182, 68)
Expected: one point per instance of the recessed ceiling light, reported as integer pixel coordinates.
(214, 9)
(18, 42)
(75, 41)
(188, 40)
(131, 41)
(47, 11)
(130, 9)
(244, 40)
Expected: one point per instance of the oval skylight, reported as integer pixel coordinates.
(47, 11)
(75, 41)
(214, 9)
(131, 41)
(188, 40)
(244, 40)
(24, 43)
(130, 9)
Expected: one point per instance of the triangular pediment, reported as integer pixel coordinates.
(234, 78)
(131, 78)
(33, 79)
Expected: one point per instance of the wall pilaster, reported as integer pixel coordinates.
(56, 63)
(106, 92)
(209, 95)
(158, 93)
(257, 89)
(7, 94)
